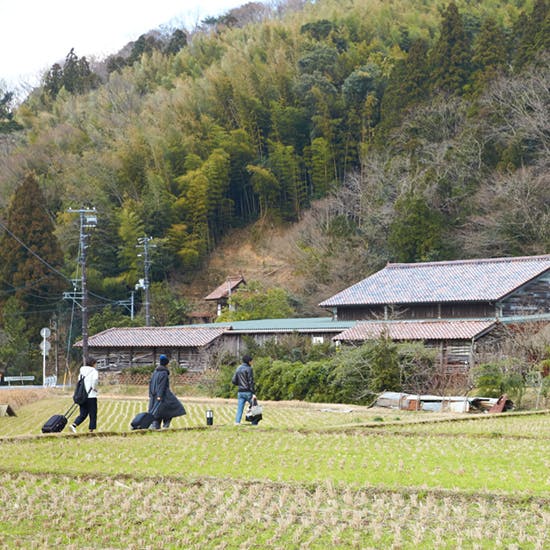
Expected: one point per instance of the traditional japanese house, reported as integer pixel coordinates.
(464, 289)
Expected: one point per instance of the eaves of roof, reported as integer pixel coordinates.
(418, 330)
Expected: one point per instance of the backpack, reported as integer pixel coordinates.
(80, 393)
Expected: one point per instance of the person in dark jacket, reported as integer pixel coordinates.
(244, 380)
(163, 404)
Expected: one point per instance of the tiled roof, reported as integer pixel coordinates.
(457, 281)
(148, 337)
(417, 330)
(229, 285)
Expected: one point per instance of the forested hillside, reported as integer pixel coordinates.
(370, 131)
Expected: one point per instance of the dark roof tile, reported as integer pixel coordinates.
(456, 281)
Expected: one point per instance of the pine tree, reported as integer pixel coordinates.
(450, 58)
(30, 257)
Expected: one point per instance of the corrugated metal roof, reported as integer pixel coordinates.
(457, 281)
(417, 330)
(229, 285)
(154, 337)
(302, 324)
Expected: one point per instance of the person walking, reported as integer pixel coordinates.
(163, 404)
(89, 407)
(243, 378)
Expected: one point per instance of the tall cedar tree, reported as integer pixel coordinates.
(489, 56)
(533, 34)
(450, 58)
(35, 285)
(407, 86)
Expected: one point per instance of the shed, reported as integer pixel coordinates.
(190, 346)
(222, 293)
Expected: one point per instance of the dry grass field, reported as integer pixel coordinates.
(309, 476)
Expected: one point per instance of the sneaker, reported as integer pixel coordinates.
(73, 428)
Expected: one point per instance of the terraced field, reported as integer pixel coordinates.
(309, 476)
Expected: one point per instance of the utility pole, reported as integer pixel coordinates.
(144, 243)
(88, 219)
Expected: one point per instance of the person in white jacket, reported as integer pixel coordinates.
(89, 407)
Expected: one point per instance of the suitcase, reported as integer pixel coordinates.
(57, 422)
(142, 421)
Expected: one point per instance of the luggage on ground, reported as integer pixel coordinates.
(57, 422)
(142, 421)
(254, 412)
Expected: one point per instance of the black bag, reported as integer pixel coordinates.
(57, 422)
(254, 412)
(142, 421)
(80, 393)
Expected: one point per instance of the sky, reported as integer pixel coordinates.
(35, 34)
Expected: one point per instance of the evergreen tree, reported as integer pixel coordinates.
(30, 257)
(16, 354)
(407, 85)
(177, 41)
(75, 76)
(533, 32)
(7, 121)
(489, 53)
(416, 233)
(53, 82)
(144, 44)
(450, 58)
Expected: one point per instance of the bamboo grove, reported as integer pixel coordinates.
(424, 125)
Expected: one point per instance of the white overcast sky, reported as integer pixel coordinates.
(35, 34)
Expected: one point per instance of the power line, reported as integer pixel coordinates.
(28, 249)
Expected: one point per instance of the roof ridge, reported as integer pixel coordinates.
(541, 257)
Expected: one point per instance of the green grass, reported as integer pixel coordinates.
(309, 476)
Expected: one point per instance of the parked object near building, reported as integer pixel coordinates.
(439, 403)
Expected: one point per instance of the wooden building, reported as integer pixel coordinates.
(193, 346)
(460, 308)
(189, 346)
(221, 294)
(465, 289)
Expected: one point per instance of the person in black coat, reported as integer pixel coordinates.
(163, 404)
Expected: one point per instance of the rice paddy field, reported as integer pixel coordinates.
(309, 476)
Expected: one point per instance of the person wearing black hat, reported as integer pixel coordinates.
(244, 380)
(163, 404)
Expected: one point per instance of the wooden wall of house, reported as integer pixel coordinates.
(530, 299)
(118, 359)
(468, 310)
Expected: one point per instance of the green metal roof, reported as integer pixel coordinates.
(304, 324)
